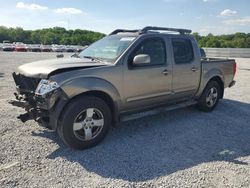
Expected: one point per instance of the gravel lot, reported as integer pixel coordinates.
(181, 148)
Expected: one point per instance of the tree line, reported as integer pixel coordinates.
(237, 40)
(59, 35)
(56, 35)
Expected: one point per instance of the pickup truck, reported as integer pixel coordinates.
(126, 75)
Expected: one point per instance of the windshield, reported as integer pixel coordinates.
(108, 48)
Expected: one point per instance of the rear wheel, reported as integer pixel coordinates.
(84, 122)
(210, 97)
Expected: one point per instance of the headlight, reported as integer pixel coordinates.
(46, 86)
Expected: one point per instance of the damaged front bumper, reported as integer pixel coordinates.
(32, 112)
(38, 104)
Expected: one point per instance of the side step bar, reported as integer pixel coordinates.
(157, 111)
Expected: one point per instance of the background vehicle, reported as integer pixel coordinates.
(20, 47)
(70, 48)
(126, 75)
(6, 41)
(80, 48)
(58, 48)
(8, 47)
(34, 47)
(46, 48)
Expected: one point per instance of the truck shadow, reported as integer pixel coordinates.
(156, 146)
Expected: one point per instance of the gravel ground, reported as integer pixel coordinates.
(181, 148)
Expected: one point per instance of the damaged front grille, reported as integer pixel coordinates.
(25, 84)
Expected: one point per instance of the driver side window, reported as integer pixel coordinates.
(154, 47)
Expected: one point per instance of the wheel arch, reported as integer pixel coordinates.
(202, 102)
(213, 75)
(220, 82)
(80, 87)
(100, 94)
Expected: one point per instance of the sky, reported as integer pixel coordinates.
(202, 16)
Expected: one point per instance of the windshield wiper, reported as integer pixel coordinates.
(93, 58)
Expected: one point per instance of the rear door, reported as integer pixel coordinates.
(186, 66)
(147, 84)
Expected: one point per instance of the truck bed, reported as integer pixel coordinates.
(225, 67)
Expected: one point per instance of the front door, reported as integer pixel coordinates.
(147, 84)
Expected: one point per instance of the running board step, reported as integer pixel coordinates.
(157, 111)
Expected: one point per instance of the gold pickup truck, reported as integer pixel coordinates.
(126, 75)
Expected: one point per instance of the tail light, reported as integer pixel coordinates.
(235, 68)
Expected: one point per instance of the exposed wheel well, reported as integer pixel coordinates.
(104, 96)
(220, 82)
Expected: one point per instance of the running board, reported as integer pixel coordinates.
(157, 111)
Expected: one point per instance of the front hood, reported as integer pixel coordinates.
(45, 68)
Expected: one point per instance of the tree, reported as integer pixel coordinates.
(237, 40)
(56, 35)
(59, 35)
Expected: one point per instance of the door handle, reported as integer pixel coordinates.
(165, 72)
(194, 69)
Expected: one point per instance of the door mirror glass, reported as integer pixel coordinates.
(141, 59)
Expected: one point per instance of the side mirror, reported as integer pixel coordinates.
(141, 59)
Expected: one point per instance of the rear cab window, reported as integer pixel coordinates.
(183, 51)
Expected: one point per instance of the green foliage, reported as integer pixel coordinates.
(59, 35)
(237, 40)
(56, 35)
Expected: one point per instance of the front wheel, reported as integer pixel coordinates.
(84, 122)
(210, 97)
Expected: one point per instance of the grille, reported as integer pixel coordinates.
(25, 83)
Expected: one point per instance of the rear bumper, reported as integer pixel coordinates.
(232, 83)
(21, 50)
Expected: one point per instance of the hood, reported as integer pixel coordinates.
(45, 68)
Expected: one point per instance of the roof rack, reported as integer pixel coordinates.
(150, 28)
(181, 31)
(123, 31)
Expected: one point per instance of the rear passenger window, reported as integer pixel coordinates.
(183, 51)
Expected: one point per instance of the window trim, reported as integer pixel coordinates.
(130, 64)
(192, 48)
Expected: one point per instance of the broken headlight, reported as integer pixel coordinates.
(46, 86)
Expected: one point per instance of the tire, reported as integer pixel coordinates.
(210, 97)
(84, 122)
